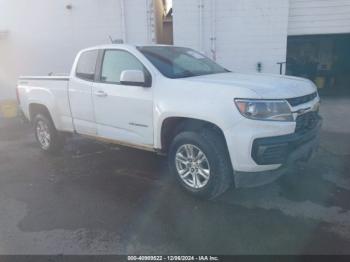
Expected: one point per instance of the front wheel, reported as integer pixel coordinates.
(201, 164)
(46, 134)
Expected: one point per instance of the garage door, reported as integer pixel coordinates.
(308, 17)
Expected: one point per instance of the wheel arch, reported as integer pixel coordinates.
(171, 126)
(37, 108)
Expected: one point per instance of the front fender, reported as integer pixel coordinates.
(162, 117)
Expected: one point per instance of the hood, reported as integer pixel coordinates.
(266, 86)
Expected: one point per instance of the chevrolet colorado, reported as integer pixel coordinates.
(217, 127)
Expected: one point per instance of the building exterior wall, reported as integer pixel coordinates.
(44, 36)
(308, 17)
(246, 31)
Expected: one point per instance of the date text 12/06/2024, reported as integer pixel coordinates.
(173, 258)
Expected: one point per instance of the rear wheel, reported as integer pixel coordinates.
(48, 138)
(200, 162)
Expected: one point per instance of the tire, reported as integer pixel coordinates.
(211, 144)
(43, 126)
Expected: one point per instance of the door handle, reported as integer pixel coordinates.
(101, 93)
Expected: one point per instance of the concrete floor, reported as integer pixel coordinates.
(103, 199)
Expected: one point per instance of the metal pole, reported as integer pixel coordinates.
(200, 25)
(122, 8)
(213, 29)
(281, 66)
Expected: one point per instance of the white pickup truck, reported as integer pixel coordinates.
(217, 127)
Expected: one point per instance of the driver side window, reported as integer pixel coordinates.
(115, 62)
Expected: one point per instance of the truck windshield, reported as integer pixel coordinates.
(180, 62)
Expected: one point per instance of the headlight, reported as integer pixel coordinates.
(272, 110)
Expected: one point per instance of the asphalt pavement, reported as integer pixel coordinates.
(96, 198)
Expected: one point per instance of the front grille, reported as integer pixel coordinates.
(306, 122)
(301, 99)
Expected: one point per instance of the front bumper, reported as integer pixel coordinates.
(285, 150)
(276, 150)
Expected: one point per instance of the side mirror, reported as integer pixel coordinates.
(133, 78)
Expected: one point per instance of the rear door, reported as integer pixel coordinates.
(123, 112)
(80, 93)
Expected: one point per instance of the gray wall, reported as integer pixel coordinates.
(44, 36)
(246, 31)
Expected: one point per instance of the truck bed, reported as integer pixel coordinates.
(51, 90)
(58, 78)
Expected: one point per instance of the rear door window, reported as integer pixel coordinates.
(87, 65)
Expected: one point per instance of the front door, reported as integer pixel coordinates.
(122, 112)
